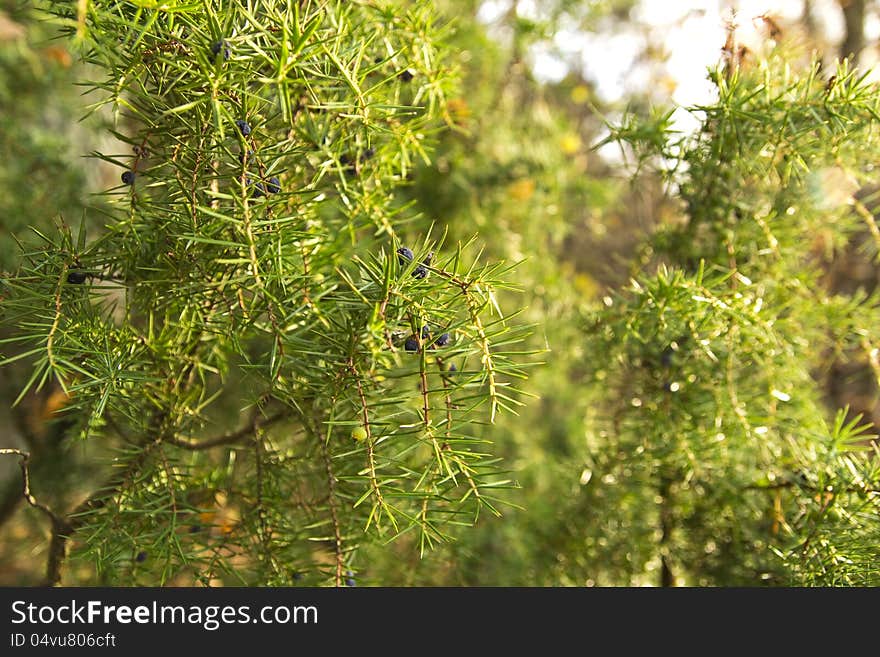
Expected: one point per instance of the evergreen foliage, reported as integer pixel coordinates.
(245, 276)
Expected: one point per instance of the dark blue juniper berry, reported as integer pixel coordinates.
(241, 156)
(426, 332)
(453, 368)
(406, 75)
(411, 344)
(76, 277)
(443, 340)
(273, 186)
(128, 177)
(349, 579)
(244, 127)
(218, 46)
(259, 190)
(141, 557)
(368, 154)
(404, 255)
(422, 270)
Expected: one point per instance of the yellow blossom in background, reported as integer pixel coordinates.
(570, 143)
(522, 189)
(580, 94)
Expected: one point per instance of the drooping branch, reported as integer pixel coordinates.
(65, 526)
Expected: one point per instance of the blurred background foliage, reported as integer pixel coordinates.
(661, 441)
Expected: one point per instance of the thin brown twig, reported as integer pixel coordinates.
(11, 496)
(371, 456)
(26, 482)
(331, 503)
(226, 438)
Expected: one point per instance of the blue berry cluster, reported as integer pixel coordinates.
(412, 344)
(405, 255)
(271, 186)
(260, 188)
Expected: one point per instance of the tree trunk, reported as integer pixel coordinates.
(808, 18)
(854, 19)
(667, 579)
